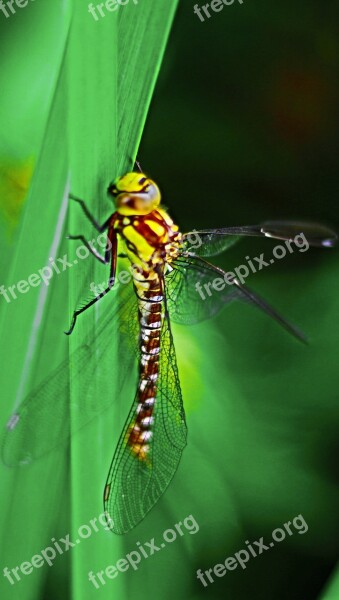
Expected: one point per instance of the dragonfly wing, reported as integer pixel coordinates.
(316, 234)
(134, 486)
(192, 296)
(254, 298)
(42, 421)
(210, 242)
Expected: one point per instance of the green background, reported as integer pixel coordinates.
(242, 127)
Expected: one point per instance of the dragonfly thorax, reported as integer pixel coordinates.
(149, 239)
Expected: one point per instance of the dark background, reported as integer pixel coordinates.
(243, 128)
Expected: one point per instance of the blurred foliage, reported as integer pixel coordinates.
(81, 126)
(15, 179)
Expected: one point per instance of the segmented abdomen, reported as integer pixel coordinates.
(150, 295)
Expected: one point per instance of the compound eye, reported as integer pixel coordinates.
(142, 180)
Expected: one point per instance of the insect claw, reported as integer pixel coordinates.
(70, 330)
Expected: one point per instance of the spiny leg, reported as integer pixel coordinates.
(103, 259)
(81, 310)
(89, 215)
(111, 251)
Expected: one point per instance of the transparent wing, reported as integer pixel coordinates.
(317, 235)
(42, 421)
(216, 241)
(211, 242)
(134, 486)
(198, 290)
(190, 295)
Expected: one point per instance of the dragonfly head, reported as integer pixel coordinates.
(135, 194)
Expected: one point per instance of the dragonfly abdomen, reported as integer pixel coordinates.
(151, 241)
(150, 318)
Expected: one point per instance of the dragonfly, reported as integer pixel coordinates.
(167, 268)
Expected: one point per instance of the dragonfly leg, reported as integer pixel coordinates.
(103, 259)
(110, 253)
(89, 215)
(83, 308)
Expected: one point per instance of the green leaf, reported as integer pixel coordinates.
(92, 125)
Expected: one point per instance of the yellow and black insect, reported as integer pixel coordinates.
(168, 269)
